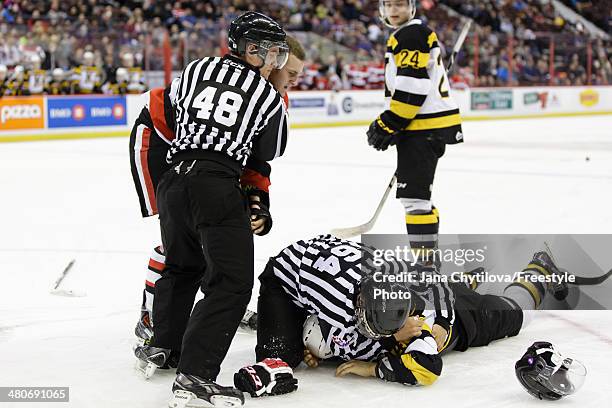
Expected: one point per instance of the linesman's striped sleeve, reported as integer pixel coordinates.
(417, 364)
(410, 49)
(444, 301)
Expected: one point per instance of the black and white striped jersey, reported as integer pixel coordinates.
(322, 276)
(437, 292)
(224, 105)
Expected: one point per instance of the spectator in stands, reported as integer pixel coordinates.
(115, 27)
(530, 74)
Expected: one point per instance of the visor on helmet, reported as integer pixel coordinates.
(273, 53)
(564, 377)
(362, 322)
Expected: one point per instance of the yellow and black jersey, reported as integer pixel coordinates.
(415, 362)
(58, 88)
(3, 87)
(136, 84)
(115, 88)
(15, 87)
(87, 80)
(416, 85)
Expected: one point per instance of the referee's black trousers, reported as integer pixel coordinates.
(279, 322)
(207, 239)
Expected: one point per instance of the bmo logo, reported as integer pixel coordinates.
(118, 111)
(78, 112)
(71, 111)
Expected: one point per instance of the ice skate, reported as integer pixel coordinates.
(150, 359)
(544, 259)
(194, 391)
(249, 321)
(143, 329)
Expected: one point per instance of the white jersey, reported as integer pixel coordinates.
(35, 81)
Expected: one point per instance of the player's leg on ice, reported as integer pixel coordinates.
(168, 314)
(485, 317)
(279, 341)
(481, 319)
(529, 292)
(155, 268)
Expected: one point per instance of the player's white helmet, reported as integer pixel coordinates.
(57, 74)
(128, 59)
(121, 75)
(35, 61)
(395, 6)
(313, 338)
(88, 58)
(18, 72)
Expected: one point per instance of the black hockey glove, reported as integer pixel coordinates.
(380, 136)
(271, 376)
(259, 204)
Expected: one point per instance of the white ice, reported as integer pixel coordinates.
(75, 200)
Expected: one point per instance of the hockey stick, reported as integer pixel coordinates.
(65, 292)
(459, 43)
(580, 280)
(363, 228)
(63, 275)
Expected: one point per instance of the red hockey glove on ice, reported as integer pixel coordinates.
(271, 376)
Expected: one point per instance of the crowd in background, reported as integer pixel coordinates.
(345, 40)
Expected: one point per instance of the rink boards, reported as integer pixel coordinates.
(80, 117)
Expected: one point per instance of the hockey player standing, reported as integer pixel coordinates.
(421, 116)
(223, 107)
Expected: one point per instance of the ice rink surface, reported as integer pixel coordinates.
(75, 200)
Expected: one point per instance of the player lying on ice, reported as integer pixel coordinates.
(315, 295)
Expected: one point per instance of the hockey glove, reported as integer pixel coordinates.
(271, 376)
(380, 136)
(259, 203)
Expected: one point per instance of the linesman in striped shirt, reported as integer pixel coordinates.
(150, 139)
(226, 113)
(421, 117)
